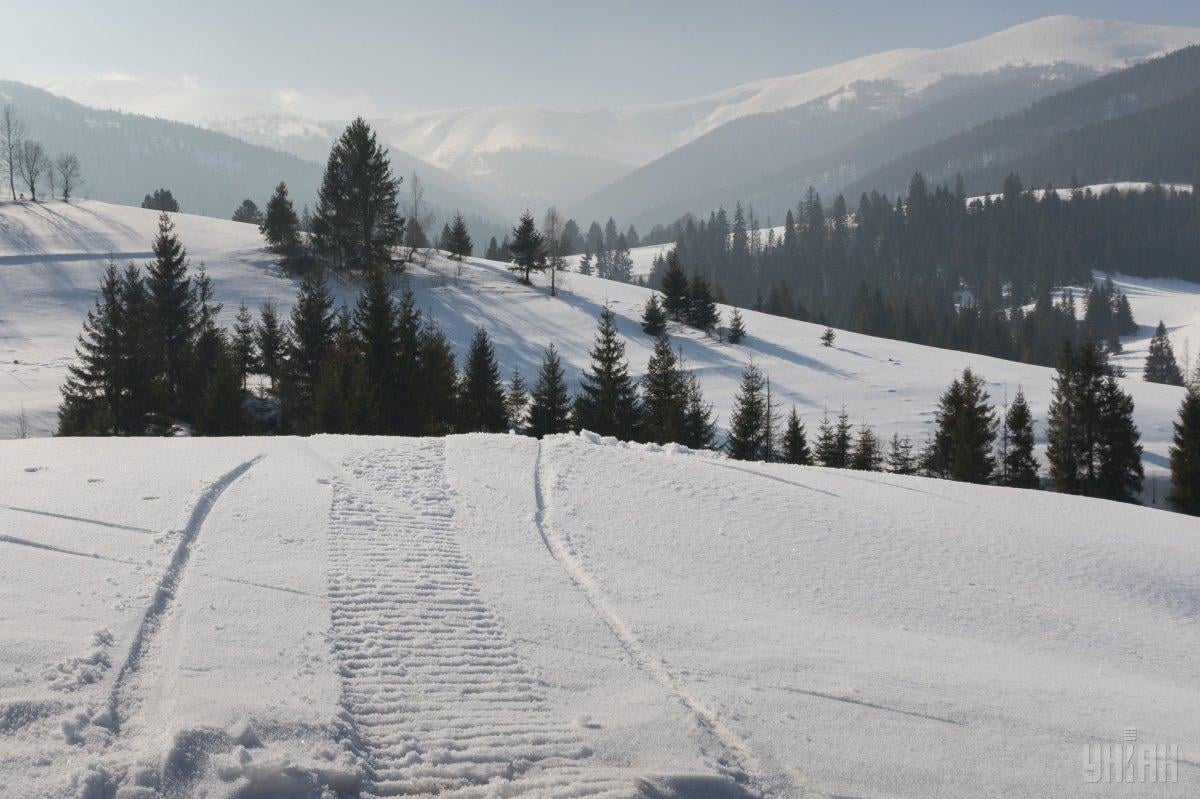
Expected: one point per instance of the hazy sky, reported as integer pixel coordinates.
(337, 57)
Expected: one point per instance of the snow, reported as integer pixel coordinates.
(1124, 187)
(52, 254)
(493, 616)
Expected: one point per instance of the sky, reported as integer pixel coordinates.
(335, 59)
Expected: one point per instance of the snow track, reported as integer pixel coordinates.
(166, 588)
(732, 757)
(439, 700)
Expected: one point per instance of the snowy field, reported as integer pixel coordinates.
(51, 257)
(487, 616)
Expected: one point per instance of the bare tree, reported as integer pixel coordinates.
(33, 164)
(420, 218)
(22, 430)
(552, 238)
(12, 133)
(69, 172)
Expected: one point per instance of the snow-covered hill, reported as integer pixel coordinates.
(51, 257)
(487, 616)
(529, 155)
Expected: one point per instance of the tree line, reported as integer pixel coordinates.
(24, 162)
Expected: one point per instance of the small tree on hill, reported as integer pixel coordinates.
(248, 213)
(795, 443)
(550, 410)
(1185, 457)
(654, 318)
(161, 200)
(1161, 366)
(827, 337)
(526, 247)
(900, 458)
(458, 240)
(737, 328)
(748, 425)
(481, 398)
(607, 403)
(702, 311)
(1020, 464)
(675, 289)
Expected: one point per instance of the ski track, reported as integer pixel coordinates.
(734, 759)
(438, 699)
(168, 584)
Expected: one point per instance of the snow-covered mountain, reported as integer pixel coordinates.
(529, 155)
(51, 257)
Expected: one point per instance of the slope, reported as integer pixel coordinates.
(52, 255)
(986, 150)
(486, 616)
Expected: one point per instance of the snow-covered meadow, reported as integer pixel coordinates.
(487, 616)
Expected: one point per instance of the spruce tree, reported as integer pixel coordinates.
(674, 288)
(550, 410)
(654, 318)
(312, 336)
(699, 426)
(271, 337)
(827, 337)
(607, 403)
(174, 315)
(436, 384)
(458, 241)
(1161, 366)
(404, 412)
(834, 441)
(242, 348)
(664, 395)
(974, 432)
(222, 411)
(1020, 464)
(358, 221)
(866, 455)
(1121, 473)
(248, 213)
(526, 248)
(900, 458)
(492, 253)
(516, 401)
(481, 395)
(93, 392)
(747, 439)
(376, 336)
(281, 227)
(795, 443)
(737, 328)
(1185, 457)
(702, 308)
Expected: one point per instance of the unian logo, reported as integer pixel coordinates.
(1131, 761)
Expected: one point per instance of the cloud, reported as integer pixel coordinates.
(327, 105)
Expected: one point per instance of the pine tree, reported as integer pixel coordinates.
(493, 250)
(702, 308)
(481, 395)
(737, 328)
(834, 441)
(312, 336)
(1185, 457)
(1161, 366)
(243, 352)
(248, 213)
(699, 426)
(222, 411)
(827, 337)
(1121, 474)
(270, 336)
(550, 410)
(444, 239)
(654, 318)
(795, 443)
(675, 289)
(93, 391)
(376, 336)
(974, 432)
(516, 401)
(358, 221)
(458, 241)
(174, 315)
(900, 456)
(585, 264)
(436, 384)
(1020, 464)
(528, 252)
(607, 403)
(281, 228)
(664, 395)
(748, 424)
(866, 455)
(404, 412)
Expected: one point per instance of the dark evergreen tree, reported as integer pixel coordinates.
(702, 307)
(1020, 464)
(607, 403)
(737, 328)
(664, 395)
(827, 337)
(747, 439)
(93, 393)
(550, 410)
(312, 329)
(866, 454)
(654, 318)
(1185, 457)
(174, 314)
(403, 412)
(699, 427)
(900, 458)
(161, 200)
(444, 238)
(458, 239)
(222, 409)
(493, 250)
(358, 221)
(516, 401)
(526, 248)
(966, 431)
(248, 213)
(834, 441)
(481, 395)
(795, 443)
(436, 384)
(1121, 473)
(376, 337)
(271, 338)
(242, 350)
(281, 228)
(1161, 366)
(674, 287)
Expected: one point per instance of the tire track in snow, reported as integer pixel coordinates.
(436, 696)
(168, 584)
(735, 760)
